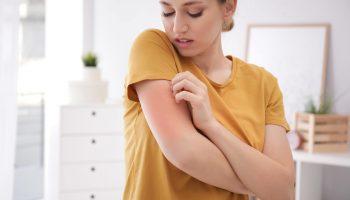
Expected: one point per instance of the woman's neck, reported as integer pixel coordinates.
(213, 59)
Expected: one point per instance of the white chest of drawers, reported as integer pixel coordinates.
(91, 152)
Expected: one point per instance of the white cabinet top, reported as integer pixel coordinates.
(117, 103)
(336, 159)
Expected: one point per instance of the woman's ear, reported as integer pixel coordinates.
(229, 9)
(235, 6)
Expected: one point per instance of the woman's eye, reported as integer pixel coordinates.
(192, 15)
(167, 14)
(196, 15)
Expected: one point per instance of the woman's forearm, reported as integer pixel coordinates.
(205, 162)
(262, 175)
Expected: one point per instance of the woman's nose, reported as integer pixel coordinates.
(180, 25)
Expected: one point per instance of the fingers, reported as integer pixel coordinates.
(187, 96)
(188, 75)
(187, 85)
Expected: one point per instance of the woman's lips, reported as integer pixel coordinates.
(183, 44)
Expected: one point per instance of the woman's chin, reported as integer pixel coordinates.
(186, 52)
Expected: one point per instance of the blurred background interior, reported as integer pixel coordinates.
(62, 68)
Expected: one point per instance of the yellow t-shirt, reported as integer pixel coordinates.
(247, 101)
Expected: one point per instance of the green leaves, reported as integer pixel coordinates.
(310, 106)
(324, 108)
(90, 59)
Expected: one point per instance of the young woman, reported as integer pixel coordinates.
(200, 124)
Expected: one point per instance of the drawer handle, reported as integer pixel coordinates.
(92, 196)
(93, 113)
(93, 141)
(93, 169)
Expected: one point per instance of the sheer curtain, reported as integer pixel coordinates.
(9, 24)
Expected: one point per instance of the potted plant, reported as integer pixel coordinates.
(91, 89)
(321, 130)
(324, 107)
(89, 59)
(90, 71)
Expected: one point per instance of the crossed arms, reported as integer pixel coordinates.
(213, 161)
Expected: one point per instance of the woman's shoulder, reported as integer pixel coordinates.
(255, 71)
(150, 32)
(153, 35)
(153, 43)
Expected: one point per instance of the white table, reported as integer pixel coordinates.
(309, 172)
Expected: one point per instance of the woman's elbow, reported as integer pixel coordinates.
(290, 177)
(289, 192)
(177, 154)
(292, 186)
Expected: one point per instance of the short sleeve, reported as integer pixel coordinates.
(150, 58)
(274, 113)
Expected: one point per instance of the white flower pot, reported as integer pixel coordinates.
(91, 74)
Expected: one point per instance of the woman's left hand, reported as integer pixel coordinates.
(188, 87)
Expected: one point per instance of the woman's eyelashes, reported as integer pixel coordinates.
(196, 15)
(192, 15)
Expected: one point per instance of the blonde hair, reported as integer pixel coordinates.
(229, 24)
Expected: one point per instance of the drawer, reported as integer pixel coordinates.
(89, 119)
(75, 177)
(92, 148)
(93, 195)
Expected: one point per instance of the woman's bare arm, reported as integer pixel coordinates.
(268, 174)
(180, 142)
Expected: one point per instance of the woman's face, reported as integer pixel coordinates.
(199, 21)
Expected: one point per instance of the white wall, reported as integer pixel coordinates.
(64, 46)
(9, 24)
(118, 22)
